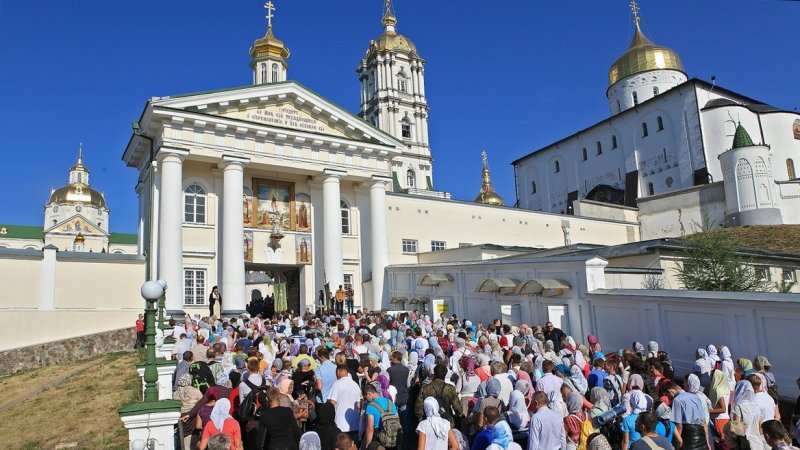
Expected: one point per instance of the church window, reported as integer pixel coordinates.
(533, 187)
(194, 286)
(345, 217)
(644, 129)
(401, 82)
(411, 178)
(194, 204)
(557, 166)
(405, 130)
(263, 73)
(655, 90)
(437, 246)
(650, 189)
(613, 142)
(55, 222)
(619, 106)
(790, 169)
(659, 123)
(584, 156)
(80, 177)
(409, 246)
(635, 98)
(599, 148)
(274, 72)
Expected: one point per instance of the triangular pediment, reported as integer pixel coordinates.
(74, 225)
(288, 105)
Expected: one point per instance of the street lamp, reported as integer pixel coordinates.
(151, 291)
(161, 300)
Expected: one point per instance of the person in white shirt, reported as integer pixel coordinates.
(346, 398)
(767, 406)
(546, 430)
(499, 371)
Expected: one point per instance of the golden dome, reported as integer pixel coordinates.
(487, 195)
(390, 40)
(269, 45)
(77, 193)
(80, 239)
(642, 56)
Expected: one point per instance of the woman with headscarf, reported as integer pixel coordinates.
(490, 397)
(598, 442)
(764, 368)
(746, 410)
(189, 396)
(550, 353)
(469, 382)
(665, 427)
(727, 367)
(285, 387)
(222, 423)
(630, 433)
(384, 387)
(702, 366)
(518, 415)
(713, 358)
(720, 395)
(434, 432)
(600, 402)
(267, 349)
(573, 423)
(483, 370)
(326, 425)
(652, 350)
(576, 380)
(693, 386)
(635, 383)
(744, 367)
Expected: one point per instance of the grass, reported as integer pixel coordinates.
(776, 238)
(75, 402)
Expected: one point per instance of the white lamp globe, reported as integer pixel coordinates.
(163, 284)
(151, 290)
(138, 444)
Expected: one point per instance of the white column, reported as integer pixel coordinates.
(332, 228)
(232, 290)
(380, 239)
(170, 223)
(218, 250)
(47, 301)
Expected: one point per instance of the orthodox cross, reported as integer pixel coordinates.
(270, 7)
(635, 10)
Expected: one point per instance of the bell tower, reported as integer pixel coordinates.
(392, 77)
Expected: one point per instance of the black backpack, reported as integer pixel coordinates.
(390, 430)
(250, 408)
(202, 377)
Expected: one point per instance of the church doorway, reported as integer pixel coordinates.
(282, 282)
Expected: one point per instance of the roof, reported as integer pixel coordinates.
(741, 138)
(21, 232)
(123, 238)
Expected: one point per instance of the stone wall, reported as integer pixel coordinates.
(62, 351)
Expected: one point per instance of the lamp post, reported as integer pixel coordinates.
(161, 301)
(151, 291)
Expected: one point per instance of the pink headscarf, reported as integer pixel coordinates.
(384, 383)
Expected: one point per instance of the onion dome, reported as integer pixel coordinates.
(642, 56)
(487, 195)
(77, 191)
(268, 46)
(741, 138)
(390, 40)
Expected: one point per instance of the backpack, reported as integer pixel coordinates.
(445, 410)
(390, 430)
(202, 377)
(250, 407)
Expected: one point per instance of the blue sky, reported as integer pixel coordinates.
(507, 76)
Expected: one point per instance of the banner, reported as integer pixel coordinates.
(280, 297)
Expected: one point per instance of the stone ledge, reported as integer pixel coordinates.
(72, 349)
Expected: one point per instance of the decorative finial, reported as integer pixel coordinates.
(270, 7)
(80, 153)
(389, 20)
(485, 159)
(635, 10)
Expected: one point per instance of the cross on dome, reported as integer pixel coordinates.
(635, 10)
(485, 159)
(270, 7)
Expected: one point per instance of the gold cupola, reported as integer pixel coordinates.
(487, 195)
(642, 55)
(77, 190)
(269, 54)
(390, 40)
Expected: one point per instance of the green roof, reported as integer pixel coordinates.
(123, 238)
(741, 138)
(21, 232)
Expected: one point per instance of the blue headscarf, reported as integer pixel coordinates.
(501, 434)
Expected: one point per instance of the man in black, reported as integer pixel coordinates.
(398, 377)
(553, 334)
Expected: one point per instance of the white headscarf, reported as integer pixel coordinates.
(440, 426)
(639, 402)
(220, 412)
(517, 410)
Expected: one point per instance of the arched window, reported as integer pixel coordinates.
(533, 187)
(613, 142)
(557, 166)
(659, 123)
(635, 98)
(274, 72)
(411, 178)
(790, 169)
(194, 204)
(655, 90)
(650, 189)
(345, 217)
(263, 73)
(599, 148)
(644, 129)
(584, 156)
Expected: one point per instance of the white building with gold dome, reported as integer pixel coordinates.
(665, 150)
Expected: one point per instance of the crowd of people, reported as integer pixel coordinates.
(406, 381)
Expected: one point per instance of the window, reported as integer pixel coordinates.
(660, 123)
(274, 72)
(790, 169)
(650, 189)
(619, 106)
(263, 73)
(788, 275)
(80, 178)
(644, 129)
(599, 148)
(345, 217)
(762, 273)
(409, 246)
(405, 130)
(401, 82)
(584, 157)
(411, 178)
(655, 90)
(347, 283)
(194, 204)
(557, 166)
(613, 142)
(194, 286)
(437, 246)
(533, 187)
(635, 98)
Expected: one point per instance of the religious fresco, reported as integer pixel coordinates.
(248, 246)
(303, 248)
(796, 129)
(77, 226)
(302, 215)
(273, 201)
(248, 218)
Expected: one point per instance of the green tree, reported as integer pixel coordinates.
(711, 263)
